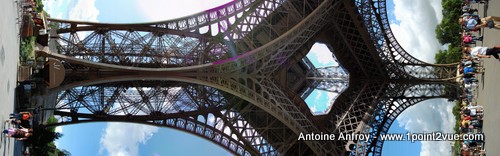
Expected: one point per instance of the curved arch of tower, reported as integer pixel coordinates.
(204, 111)
(440, 77)
(235, 75)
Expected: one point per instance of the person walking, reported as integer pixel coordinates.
(21, 115)
(19, 134)
(482, 52)
(473, 23)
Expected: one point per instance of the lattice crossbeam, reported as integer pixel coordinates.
(398, 98)
(167, 106)
(333, 78)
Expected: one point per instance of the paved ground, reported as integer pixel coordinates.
(489, 88)
(9, 54)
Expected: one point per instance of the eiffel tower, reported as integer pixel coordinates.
(237, 75)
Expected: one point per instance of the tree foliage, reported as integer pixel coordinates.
(448, 32)
(451, 55)
(42, 141)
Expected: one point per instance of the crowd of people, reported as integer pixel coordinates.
(20, 126)
(471, 114)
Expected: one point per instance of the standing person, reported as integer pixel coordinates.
(21, 116)
(22, 123)
(482, 52)
(467, 38)
(470, 70)
(489, 22)
(19, 134)
(468, 2)
(22, 119)
(469, 21)
(468, 9)
(472, 23)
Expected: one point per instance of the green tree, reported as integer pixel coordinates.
(448, 31)
(451, 55)
(451, 8)
(440, 57)
(42, 141)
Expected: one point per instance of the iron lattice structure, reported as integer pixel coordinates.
(236, 75)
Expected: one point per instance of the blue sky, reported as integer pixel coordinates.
(88, 139)
(105, 138)
(124, 138)
(319, 101)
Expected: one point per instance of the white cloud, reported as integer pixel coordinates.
(430, 148)
(318, 95)
(164, 10)
(84, 10)
(52, 6)
(122, 139)
(79, 10)
(59, 129)
(429, 116)
(313, 109)
(322, 54)
(58, 16)
(322, 101)
(415, 32)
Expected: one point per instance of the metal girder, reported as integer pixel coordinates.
(203, 125)
(141, 49)
(266, 95)
(399, 97)
(165, 44)
(212, 74)
(332, 79)
(375, 16)
(352, 107)
(134, 98)
(265, 59)
(213, 18)
(263, 94)
(167, 103)
(399, 62)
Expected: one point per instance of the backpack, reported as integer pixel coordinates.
(467, 38)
